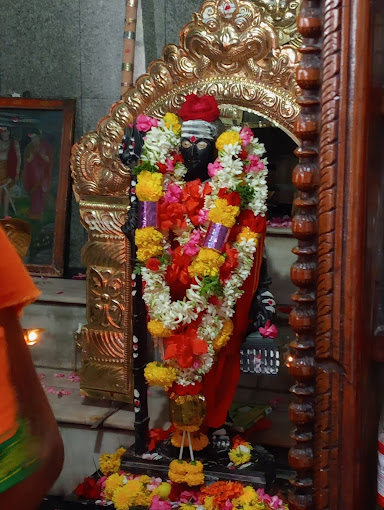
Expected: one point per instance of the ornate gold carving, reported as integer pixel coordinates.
(233, 54)
(282, 14)
(232, 50)
(105, 293)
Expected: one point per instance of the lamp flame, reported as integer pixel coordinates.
(289, 361)
(31, 336)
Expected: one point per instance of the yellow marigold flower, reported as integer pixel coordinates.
(224, 213)
(159, 375)
(177, 466)
(227, 138)
(249, 497)
(149, 186)
(112, 483)
(172, 122)
(110, 463)
(142, 499)
(149, 243)
(122, 498)
(239, 455)
(187, 506)
(156, 328)
(209, 503)
(194, 467)
(193, 479)
(247, 234)
(223, 337)
(146, 237)
(207, 263)
(143, 254)
(144, 478)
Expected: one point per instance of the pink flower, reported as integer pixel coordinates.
(189, 497)
(51, 390)
(170, 165)
(173, 194)
(144, 123)
(274, 502)
(193, 245)
(228, 505)
(158, 504)
(214, 168)
(154, 483)
(59, 375)
(255, 164)
(269, 330)
(202, 216)
(101, 481)
(246, 135)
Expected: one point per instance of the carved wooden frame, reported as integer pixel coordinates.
(333, 439)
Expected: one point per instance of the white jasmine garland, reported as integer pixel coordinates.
(160, 144)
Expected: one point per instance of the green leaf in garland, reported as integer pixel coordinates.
(246, 194)
(145, 165)
(165, 259)
(211, 286)
(137, 269)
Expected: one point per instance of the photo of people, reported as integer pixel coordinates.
(30, 142)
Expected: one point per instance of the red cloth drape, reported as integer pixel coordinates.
(221, 381)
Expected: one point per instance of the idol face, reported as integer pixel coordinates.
(197, 154)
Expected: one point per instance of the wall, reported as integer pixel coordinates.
(73, 49)
(64, 49)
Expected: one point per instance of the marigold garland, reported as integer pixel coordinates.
(189, 288)
(227, 138)
(224, 213)
(225, 334)
(207, 263)
(185, 472)
(149, 187)
(156, 328)
(110, 463)
(157, 374)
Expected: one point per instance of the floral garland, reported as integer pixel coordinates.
(196, 244)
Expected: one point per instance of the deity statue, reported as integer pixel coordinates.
(182, 212)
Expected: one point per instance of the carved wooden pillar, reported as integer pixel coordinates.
(303, 271)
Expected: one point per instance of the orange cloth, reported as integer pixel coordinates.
(16, 290)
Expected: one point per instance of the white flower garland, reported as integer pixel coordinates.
(160, 143)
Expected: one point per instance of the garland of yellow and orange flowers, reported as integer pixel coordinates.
(202, 320)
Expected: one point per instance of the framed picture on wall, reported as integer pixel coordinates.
(36, 136)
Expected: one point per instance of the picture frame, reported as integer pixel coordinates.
(36, 136)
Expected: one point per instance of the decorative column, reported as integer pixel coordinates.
(303, 272)
(128, 46)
